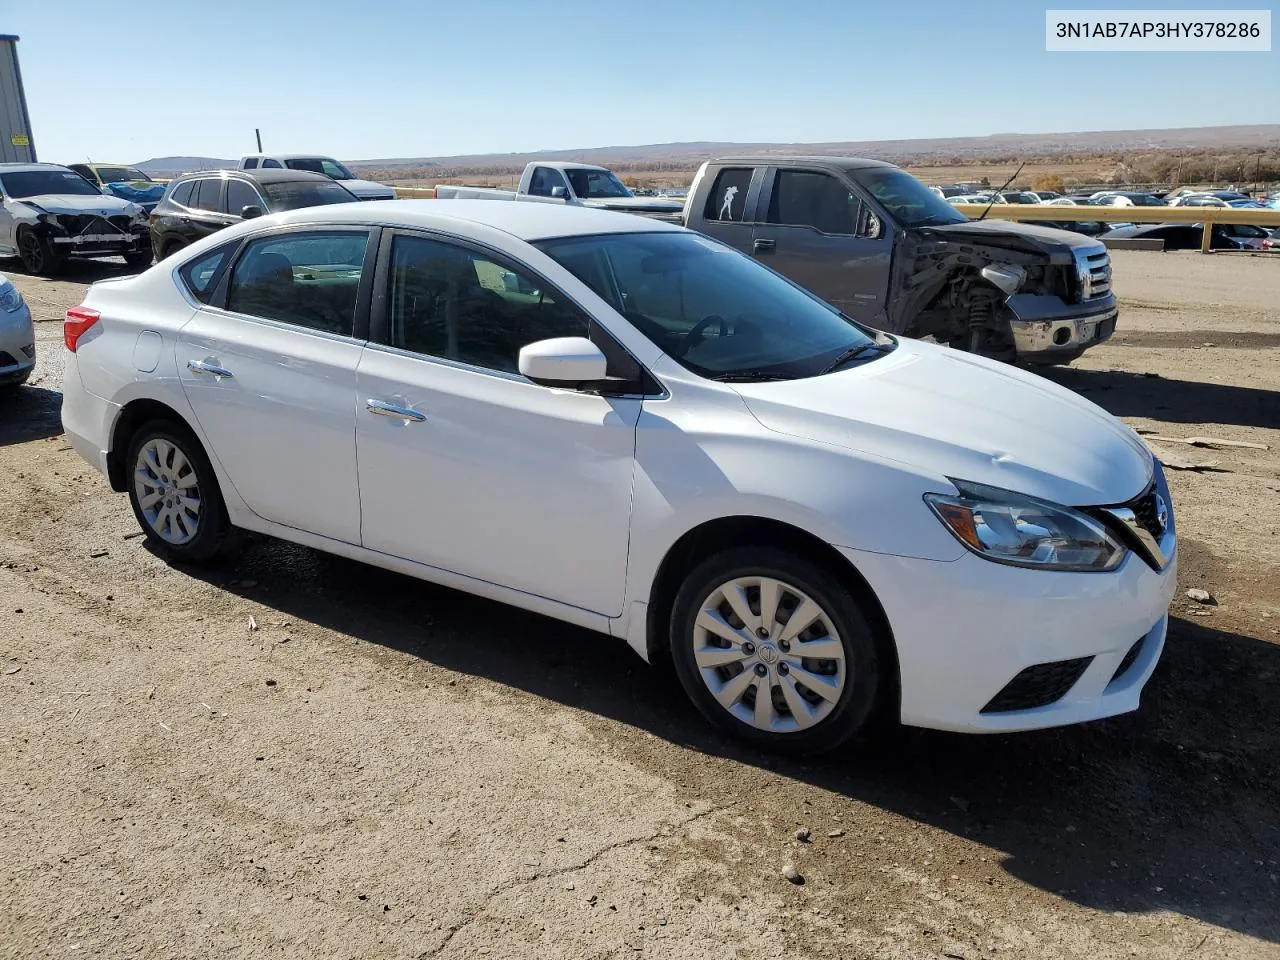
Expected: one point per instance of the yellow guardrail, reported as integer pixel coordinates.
(415, 193)
(1047, 211)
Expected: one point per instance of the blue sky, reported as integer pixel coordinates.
(401, 79)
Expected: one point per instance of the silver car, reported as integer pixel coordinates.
(17, 336)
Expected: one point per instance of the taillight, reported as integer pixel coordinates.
(77, 324)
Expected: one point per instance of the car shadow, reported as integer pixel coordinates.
(1125, 394)
(1172, 808)
(78, 271)
(29, 413)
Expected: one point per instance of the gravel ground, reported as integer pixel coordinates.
(389, 769)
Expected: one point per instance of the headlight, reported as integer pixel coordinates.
(1010, 528)
(10, 298)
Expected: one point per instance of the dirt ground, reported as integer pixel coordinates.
(389, 769)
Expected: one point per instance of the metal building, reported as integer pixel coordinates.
(16, 144)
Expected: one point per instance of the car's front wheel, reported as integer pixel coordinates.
(772, 648)
(37, 254)
(174, 493)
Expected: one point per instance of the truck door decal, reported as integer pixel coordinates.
(726, 206)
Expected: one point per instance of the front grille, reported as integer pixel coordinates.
(1099, 267)
(7, 360)
(1038, 686)
(1144, 510)
(121, 223)
(1129, 659)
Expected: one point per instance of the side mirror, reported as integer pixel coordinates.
(563, 362)
(250, 211)
(560, 193)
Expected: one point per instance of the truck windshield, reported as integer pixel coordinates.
(120, 174)
(34, 183)
(305, 193)
(907, 200)
(596, 184)
(715, 311)
(330, 168)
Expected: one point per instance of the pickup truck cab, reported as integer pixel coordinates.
(315, 163)
(576, 184)
(881, 247)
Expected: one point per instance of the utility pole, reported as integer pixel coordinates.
(258, 133)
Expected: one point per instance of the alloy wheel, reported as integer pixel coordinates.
(168, 491)
(769, 654)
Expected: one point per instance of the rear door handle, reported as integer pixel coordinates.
(763, 246)
(384, 409)
(212, 369)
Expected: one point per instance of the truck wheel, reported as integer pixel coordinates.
(37, 254)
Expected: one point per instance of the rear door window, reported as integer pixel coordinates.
(309, 279)
(727, 201)
(803, 198)
(543, 180)
(208, 195)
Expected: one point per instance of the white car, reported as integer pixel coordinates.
(316, 163)
(634, 428)
(17, 337)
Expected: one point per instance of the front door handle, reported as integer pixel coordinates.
(384, 409)
(212, 369)
(763, 246)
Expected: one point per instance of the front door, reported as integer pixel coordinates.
(821, 234)
(465, 465)
(270, 372)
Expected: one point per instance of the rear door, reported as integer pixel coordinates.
(729, 209)
(205, 213)
(821, 233)
(269, 367)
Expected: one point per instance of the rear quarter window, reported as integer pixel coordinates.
(201, 275)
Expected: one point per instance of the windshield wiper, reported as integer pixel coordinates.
(748, 376)
(857, 353)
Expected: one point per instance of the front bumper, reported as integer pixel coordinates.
(967, 629)
(1048, 330)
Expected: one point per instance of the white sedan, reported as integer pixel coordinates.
(631, 427)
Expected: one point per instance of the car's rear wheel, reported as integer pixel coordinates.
(174, 493)
(773, 649)
(37, 254)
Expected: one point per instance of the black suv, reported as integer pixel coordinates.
(198, 204)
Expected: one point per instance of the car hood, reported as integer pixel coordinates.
(637, 204)
(367, 188)
(74, 203)
(1002, 233)
(965, 417)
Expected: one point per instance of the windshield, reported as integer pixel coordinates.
(330, 168)
(908, 200)
(596, 184)
(120, 174)
(714, 310)
(33, 183)
(293, 195)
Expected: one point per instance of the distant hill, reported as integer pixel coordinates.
(172, 166)
(957, 149)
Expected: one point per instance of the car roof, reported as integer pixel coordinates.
(29, 167)
(288, 156)
(269, 175)
(526, 221)
(848, 163)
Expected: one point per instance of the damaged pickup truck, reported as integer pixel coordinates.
(878, 245)
(49, 213)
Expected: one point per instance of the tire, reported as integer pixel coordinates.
(851, 676)
(178, 533)
(139, 258)
(37, 254)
